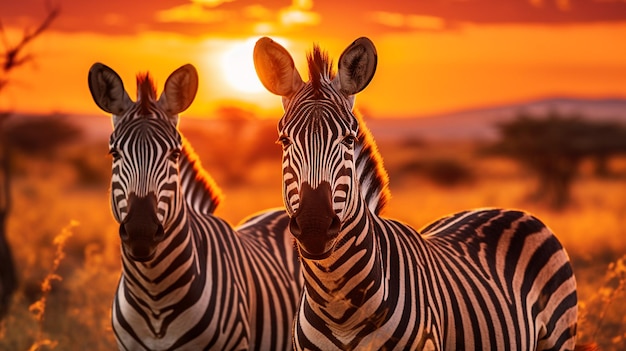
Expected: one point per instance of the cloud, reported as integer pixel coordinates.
(513, 11)
(299, 13)
(194, 12)
(258, 12)
(413, 22)
(210, 3)
(313, 17)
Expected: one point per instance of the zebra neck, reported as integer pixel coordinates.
(347, 288)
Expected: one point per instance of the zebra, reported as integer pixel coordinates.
(189, 280)
(482, 279)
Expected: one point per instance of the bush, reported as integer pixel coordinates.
(441, 171)
(553, 148)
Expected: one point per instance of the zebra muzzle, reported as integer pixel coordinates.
(315, 225)
(141, 230)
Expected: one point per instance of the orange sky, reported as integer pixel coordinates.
(434, 56)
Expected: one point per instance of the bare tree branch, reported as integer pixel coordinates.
(12, 55)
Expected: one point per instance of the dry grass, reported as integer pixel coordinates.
(76, 316)
(602, 317)
(38, 308)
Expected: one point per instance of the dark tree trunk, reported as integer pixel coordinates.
(8, 278)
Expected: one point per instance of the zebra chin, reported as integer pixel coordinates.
(140, 253)
(317, 240)
(315, 256)
(140, 247)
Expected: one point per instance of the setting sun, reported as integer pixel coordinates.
(238, 68)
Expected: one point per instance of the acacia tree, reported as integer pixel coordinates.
(12, 57)
(554, 146)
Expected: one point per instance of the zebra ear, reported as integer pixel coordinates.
(357, 65)
(180, 89)
(275, 68)
(107, 90)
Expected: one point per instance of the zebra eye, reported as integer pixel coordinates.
(349, 140)
(115, 154)
(284, 142)
(175, 155)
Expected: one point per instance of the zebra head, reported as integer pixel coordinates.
(145, 146)
(318, 133)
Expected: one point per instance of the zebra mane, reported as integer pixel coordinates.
(146, 91)
(373, 178)
(201, 192)
(320, 66)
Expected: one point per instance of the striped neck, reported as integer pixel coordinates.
(149, 289)
(178, 245)
(347, 288)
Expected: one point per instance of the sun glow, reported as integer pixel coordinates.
(238, 67)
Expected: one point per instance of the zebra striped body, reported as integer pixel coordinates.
(488, 279)
(480, 280)
(189, 280)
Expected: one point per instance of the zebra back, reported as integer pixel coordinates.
(509, 282)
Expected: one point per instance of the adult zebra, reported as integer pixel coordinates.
(488, 279)
(189, 281)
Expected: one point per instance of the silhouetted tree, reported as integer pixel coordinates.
(446, 172)
(605, 140)
(244, 142)
(554, 146)
(12, 57)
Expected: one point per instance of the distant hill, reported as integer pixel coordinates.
(479, 124)
(472, 124)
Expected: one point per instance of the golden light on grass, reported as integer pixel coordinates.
(38, 308)
(601, 307)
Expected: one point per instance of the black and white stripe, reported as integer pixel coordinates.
(486, 279)
(189, 280)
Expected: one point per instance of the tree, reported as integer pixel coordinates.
(241, 143)
(12, 57)
(554, 146)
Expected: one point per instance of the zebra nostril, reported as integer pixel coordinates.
(160, 233)
(123, 233)
(294, 227)
(335, 227)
